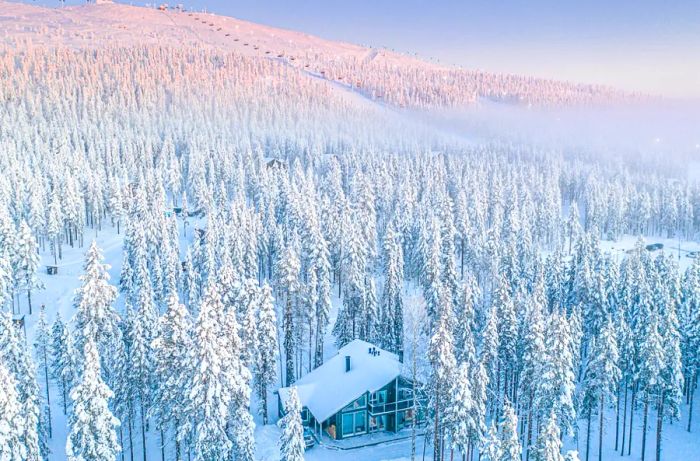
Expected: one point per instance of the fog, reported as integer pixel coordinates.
(658, 131)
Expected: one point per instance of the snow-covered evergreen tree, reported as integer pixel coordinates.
(26, 263)
(93, 435)
(292, 438)
(12, 447)
(265, 371)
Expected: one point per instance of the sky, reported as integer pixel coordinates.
(652, 46)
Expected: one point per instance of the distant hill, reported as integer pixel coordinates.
(379, 74)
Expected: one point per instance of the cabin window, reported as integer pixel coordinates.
(304, 415)
(379, 397)
(359, 403)
(377, 423)
(404, 418)
(354, 423)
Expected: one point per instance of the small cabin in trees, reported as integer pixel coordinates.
(52, 270)
(358, 391)
(276, 163)
(18, 322)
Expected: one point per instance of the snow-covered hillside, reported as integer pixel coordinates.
(379, 74)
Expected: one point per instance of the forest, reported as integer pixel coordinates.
(264, 219)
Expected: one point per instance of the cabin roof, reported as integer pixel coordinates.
(329, 388)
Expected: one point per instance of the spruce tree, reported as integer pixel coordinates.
(44, 353)
(210, 393)
(95, 317)
(12, 447)
(508, 434)
(92, 435)
(266, 361)
(459, 411)
(292, 444)
(64, 366)
(443, 368)
(601, 379)
(172, 372)
(549, 443)
(26, 262)
(287, 271)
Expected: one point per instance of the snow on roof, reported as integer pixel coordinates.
(329, 388)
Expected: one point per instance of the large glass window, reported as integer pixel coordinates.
(348, 424)
(360, 422)
(354, 423)
(377, 423)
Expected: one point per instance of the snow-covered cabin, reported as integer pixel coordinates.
(358, 391)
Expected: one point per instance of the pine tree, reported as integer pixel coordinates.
(459, 411)
(531, 362)
(210, 393)
(508, 435)
(93, 427)
(489, 356)
(557, 386)
(651, 356)
(64, 368)
(95, 317)
(600, 379)
(287, 271)
(292, 438)
(44, 353)
(549, 441)
(16, 357)
(172, 349)
(12, 447)
(6, 281)
(27, 262)
(443, 368)
(54, 225)
(491, 446)
(266, 361)
(670, 394)
(504, 309)
(391, 306)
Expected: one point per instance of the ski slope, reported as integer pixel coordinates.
(380, 74)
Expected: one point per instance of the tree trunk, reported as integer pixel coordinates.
(529, 431)
(600, 429)
(617, 419)
(65, 396)
(659, 425)
(690, 408)
(624, 422)
(634, 395)
(288, 341)
(131, 436)
(162, 445)
(588, 431)
(436, 436)
(644, 427)
(263, 392)
(48, 394)
(143, 431)
(413, 401)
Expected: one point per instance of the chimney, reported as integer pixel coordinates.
(347, 363)
(401, 356)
